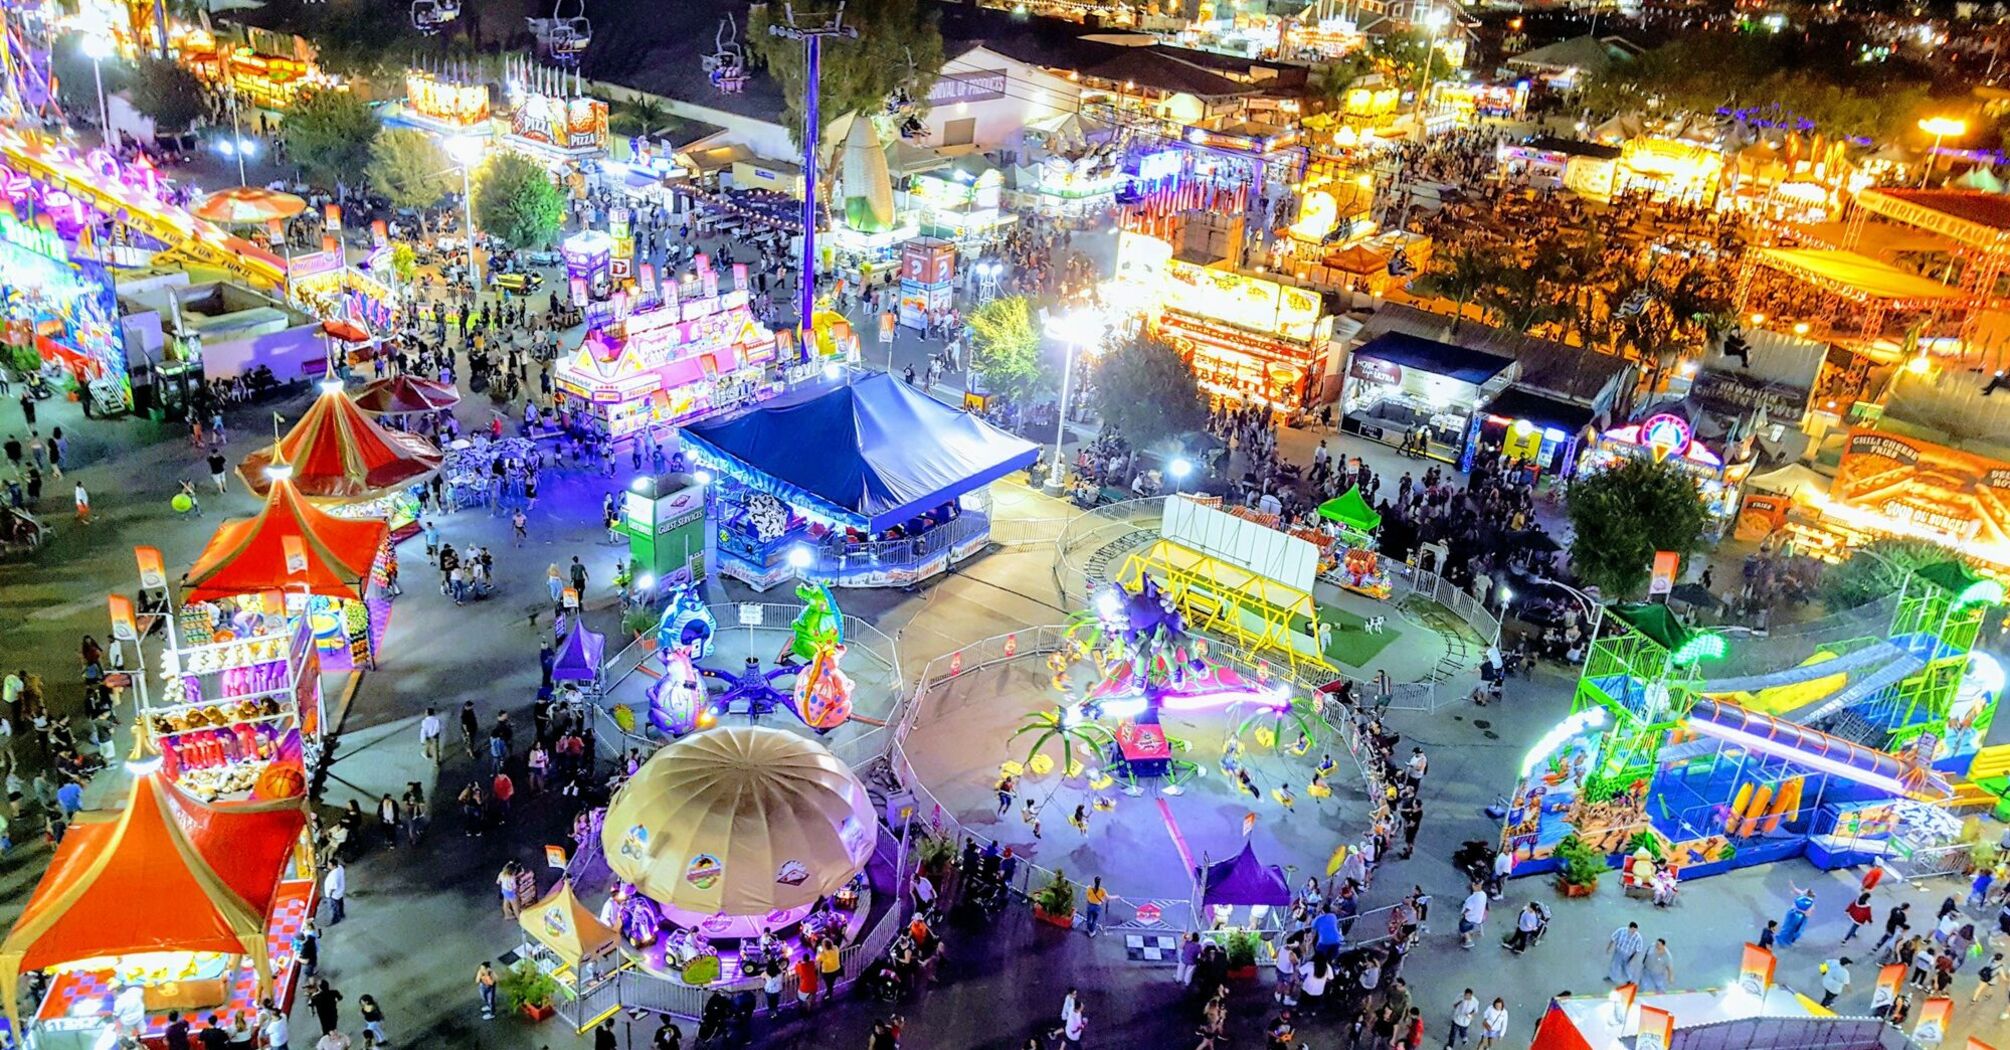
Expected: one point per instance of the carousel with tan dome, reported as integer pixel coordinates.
(736, 847)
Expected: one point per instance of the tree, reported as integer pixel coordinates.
(329, 134)
(169, 94)
(1149, 394)
(1623, 514)
(1005, 346)
(898, 50)
(404, 261)
(1877, 570)
(1461, 273)
(410, 168)
(516, 201)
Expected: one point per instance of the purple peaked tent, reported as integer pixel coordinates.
(579, 656)
(1243, 880)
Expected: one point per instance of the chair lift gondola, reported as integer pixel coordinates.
(726, 66)
(562, 37)
(430, 16)
(901, 110)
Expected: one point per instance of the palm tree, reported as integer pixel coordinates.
(1461, 274)
(1069, 730)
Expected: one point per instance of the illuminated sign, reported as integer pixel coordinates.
(1242, 300)
(461, 105)
(1926, 489)
(1667, 435)
(575, 125)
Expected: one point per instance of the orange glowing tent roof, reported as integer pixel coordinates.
(339, 453)
(166, 873)
(406, 393)
(289, 543)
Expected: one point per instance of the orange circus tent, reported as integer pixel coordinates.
(166, 873)
(289, 543)
(339, 453)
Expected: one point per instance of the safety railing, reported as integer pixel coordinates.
(1469, 607)
(1077, 566)
(841, 558)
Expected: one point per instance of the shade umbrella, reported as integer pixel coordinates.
(406, 393)
(347, 331)
(1694, 595)
(248, 206)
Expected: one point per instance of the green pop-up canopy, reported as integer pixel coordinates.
(1352, 510)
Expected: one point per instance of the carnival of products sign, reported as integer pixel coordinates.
(1242, 300)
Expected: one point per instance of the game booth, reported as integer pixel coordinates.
(1356, 564)
(568, 943)
(1849, 753)
(1401, 388)
(735, 847)
(1669, 438)
(697, 351)
(868, 484)
(167, 904)
(348, 463)
(64, 311)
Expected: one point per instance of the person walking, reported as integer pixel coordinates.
(1624, 951)
(373, 1019)
(1493, 1024)
(1894, 924)
(1985, 978)
(485, 986)
(829, 965)
(216, 469)
(83, 501)
(1658, 971)
(1859, 914)
(1472, 915)
(1464, 1010)
(1835, 979)
(429, 736)
(335, 887)
(326, 1002)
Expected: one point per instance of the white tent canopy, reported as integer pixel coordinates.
(740, 821)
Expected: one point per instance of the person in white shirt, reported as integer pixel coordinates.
(335, 887)
(1835, 979)
(1463, 1011)
(924, 893)
(274, 1032)
(1417, 766)
(1472, 915)
(1493, 1024)
(1070, 1006)
(1071, 1032)
(429, 735)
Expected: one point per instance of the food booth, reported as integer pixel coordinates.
(1536, 431)
(698, 351)
(1893, 485)
(1669, 438)
(1248, 338)
(445, 104)
(1402, 388)
(167, 904)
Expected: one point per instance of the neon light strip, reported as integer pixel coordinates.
(1769, 746)
(1217, 701)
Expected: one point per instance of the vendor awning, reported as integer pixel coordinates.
(166, 873)
(566, 927)
(579, 656)
(1351, 510)
(1859, 276)
(1243, 881)
(1435, 358)
(1541, 410)
(871, 454)
(339, 453)
(289, 544)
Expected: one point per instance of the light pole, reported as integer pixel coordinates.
(1069, 328)
(467, 150)
(1939, 128)
(1179, 468)
(237, 142)
(97, 49)
(1433, 22)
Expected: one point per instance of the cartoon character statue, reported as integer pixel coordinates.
(819, 626)
(687, 623)
(823, 691)
(678, 702)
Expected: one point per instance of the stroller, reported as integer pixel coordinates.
(881, 981)
(1519, 942)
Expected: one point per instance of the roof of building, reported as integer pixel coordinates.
(1160, 70)
(1588, 53)
(1574, 147)
(1437, 358)
(1569, 372)
(1519, 402)
(1984, 209)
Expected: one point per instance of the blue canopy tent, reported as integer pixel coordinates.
(579, 656)
(870, 455)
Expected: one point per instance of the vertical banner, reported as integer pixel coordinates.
(886, 326)
(1657, 1028)
(1888, 980)
(1933, 1018)
(1666, 565)
(296, 554)
(1755, 970)
(153, 568)
(123, 626)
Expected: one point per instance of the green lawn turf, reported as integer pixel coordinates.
(1351, 645)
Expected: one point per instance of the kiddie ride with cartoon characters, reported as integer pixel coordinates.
(683, 698)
